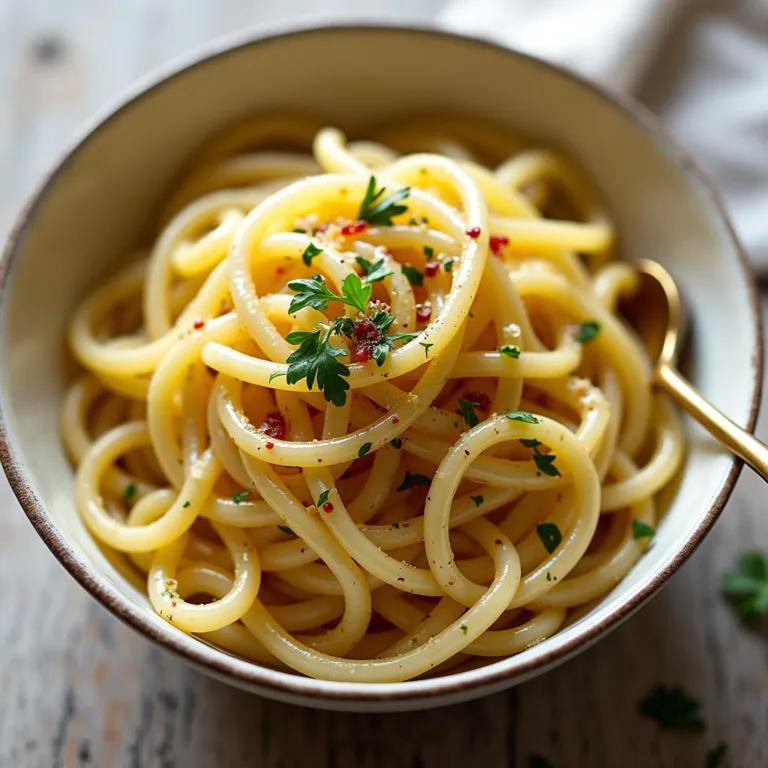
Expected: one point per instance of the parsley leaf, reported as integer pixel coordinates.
(276, 375)
(364, 448)
(426, 348)
(373, 271)
(468, 411)
(530, 443)
(546, 464)
(381, 211)
(429, 252)
(286, 529)
(448, 265)
(414, 276)
(240, 496)
(748, 585)
(588, 331)
(523, 416)
(316, 359)
(672, 709)
(411, 480)
(510, 350)
(550, 536)
(186, 504)
(477, 499)
(464, 628)
(716, 755)
(313, 292)
(641, 530)
(130, 491)
(309, 253)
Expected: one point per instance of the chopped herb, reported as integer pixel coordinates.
(426, 348)
(186, 504)
(716, 756)
(309, 253)
(364, 448)
(373, 271)
(300, 231)
(672, 709)
(588, 331)
(549, 576)
(381, 211)
(550, 536)
(539, 761)
(510, 350)
(448, 265)
(130, 491)
(748, 585)
(313, 292)
(411, 480)
(477, 499)
(396, 443)
(286, 529)
(317, 359)
(464, 628)
(546, 464)
(240, 496)
(414, 276)
(276, 375)
(641, 530)
(530, 443)
(468, 411)
(323, 497)
(429, 252)
(523, 416)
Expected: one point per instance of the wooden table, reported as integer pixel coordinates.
(79, 689)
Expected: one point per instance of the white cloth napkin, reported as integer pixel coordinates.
(701, 65)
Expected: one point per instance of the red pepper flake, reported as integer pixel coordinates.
(474, 232)
(354, 228)
(423, 314)
(273, 425)
(395, 420)
(270, 445)
(280, 271)
(367, 337)
(173, 604)
(327, 507)
(498, 541)
(497, 243)
(198, 324)
(431, 268)
(482, 400)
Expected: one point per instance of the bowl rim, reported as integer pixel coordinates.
(290, 686)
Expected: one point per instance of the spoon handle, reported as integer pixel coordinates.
(740, 442)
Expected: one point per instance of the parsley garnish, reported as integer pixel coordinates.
(323, 497)
(546, 464)
(477, 499)
(448, 265)
(130, 491)
(468, 411)
(530, 443)
(186, 504)
(672, 709)
(373, 271)
(748, 585)
(414, 276)
(641, 530)
(550, 536)
(411, 480)
(510, 350)
(426, 348)
(309, 253)
(464, 628)
(364, 448)
(381, 211)
(429, 252)
(715, 756)
(313, 292)
(588, 331)
(240, 496)
(396, 443)
(300, 231)
(549, 576)
(316, 358)
(276, 375)
(286, 529)
(523, 416)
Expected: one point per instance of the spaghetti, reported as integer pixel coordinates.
(369, 413)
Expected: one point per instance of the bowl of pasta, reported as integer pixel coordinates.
(320, 379)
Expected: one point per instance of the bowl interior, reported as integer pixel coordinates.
(104, 196)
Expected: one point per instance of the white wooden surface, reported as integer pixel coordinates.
(79, 689)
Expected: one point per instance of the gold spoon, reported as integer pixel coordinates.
(658, 288)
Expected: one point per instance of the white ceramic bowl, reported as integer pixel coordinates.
(107, 188)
